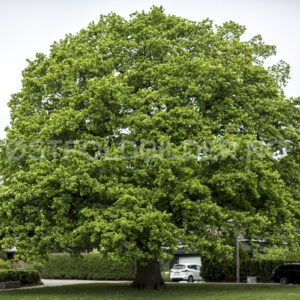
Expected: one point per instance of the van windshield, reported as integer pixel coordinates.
(178, 267)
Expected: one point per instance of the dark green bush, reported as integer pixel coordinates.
(86, 266)
(25, 276)
(224, 270)
(4, 264)
(213, 270)
(3, 255)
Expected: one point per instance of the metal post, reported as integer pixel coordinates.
(237, 258)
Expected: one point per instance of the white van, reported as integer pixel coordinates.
(188, 272)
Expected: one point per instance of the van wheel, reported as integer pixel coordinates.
(283, 281)
(190, 279)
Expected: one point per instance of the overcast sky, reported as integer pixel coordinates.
(31, 26)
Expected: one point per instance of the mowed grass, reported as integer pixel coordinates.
(173, 291)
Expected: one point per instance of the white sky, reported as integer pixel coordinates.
(31, 26)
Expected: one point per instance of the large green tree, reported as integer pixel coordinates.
(134, 136)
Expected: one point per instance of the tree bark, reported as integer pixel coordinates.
(148, 276)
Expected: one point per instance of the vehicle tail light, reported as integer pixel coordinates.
(184, 270)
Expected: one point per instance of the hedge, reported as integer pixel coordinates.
(4, 264)
(213, 270)
(25, 276)
(85, 266)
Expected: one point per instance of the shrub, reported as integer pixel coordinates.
(213, 270)
(4, 264)
(86, 266)
(3, 255)
(38, 266)
(25, 276)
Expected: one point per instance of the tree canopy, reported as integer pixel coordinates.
(134, 136)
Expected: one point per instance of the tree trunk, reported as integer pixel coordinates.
(148, 276)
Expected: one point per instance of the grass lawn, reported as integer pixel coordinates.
(174, 292)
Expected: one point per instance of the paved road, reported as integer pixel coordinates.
(59, 282)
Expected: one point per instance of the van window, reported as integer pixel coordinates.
(178, 267)
(192, 267)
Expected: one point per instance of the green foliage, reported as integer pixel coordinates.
(86, 266)
(220, 269)
(25, 276)
(4, 264)
(3, 255)
(280, 253)
(214, 270)
(165, 80)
